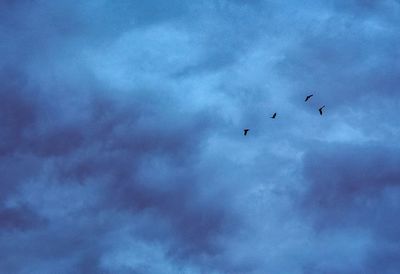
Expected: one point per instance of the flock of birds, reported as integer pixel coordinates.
(308, 97)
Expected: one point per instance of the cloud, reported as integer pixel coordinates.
(121, 146)
(343, 176)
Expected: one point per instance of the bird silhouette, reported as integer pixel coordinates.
(308, 97)
(320, 110)
(245, 131)
(273, 116)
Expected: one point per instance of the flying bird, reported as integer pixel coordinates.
(273, 116)
(320, 110)
(245, 131)
(308, 97)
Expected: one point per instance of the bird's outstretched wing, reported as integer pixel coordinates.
(308, 97)
(320, 110)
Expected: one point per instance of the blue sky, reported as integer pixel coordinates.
(121, 143)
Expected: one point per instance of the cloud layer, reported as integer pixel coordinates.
(121, 146)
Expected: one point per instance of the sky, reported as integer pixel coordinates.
(122, 146)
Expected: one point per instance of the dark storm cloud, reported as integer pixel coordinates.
(18, 218)
(354, 186)
(114, 141)
(121, 146)
(345, 176)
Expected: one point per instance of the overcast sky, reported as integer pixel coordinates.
(122, 147)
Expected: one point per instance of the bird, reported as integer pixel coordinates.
(320, 110)
(273, 116)
(245, 131)
(308, 97)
